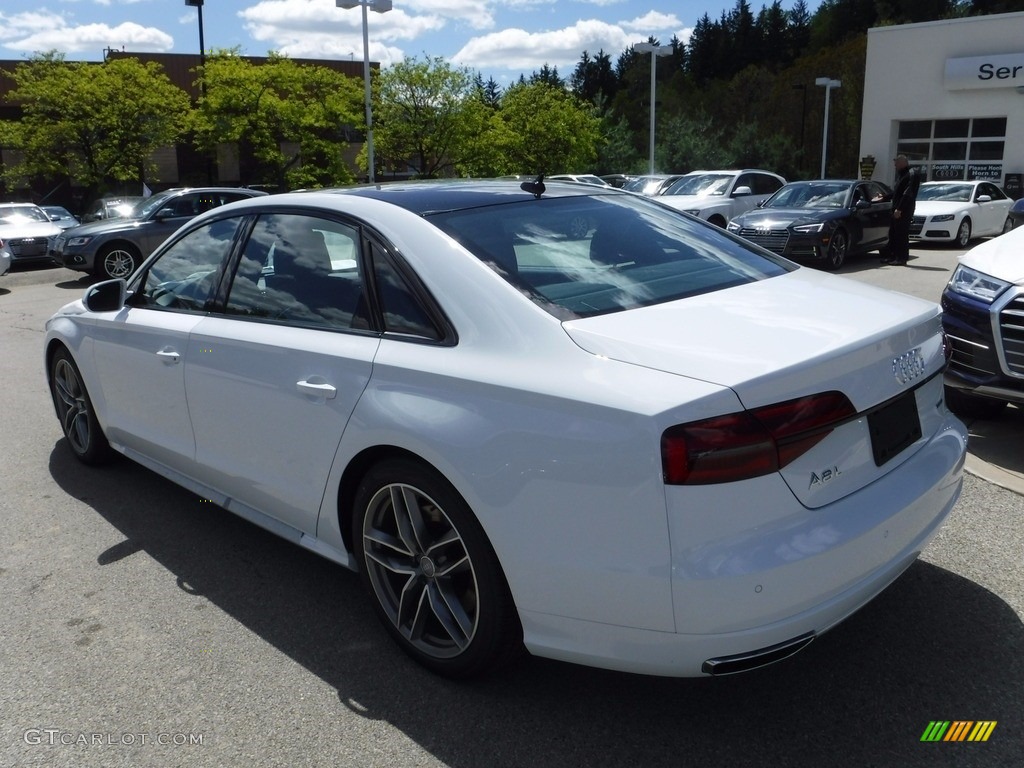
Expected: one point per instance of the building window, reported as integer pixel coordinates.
(963, 148)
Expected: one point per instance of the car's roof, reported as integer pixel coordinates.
(426, 197)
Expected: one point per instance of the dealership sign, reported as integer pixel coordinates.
(985, 72)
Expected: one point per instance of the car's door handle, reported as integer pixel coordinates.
(169, 356)
(317, 388)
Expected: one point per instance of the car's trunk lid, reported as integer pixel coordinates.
(798, 334)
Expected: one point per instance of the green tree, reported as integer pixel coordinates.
(427, 115)
(541, 128)
(288, 121)
(93, 123)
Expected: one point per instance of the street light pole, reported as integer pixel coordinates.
(198, 5)
(828, 84)
(379, 6)
(655, 51)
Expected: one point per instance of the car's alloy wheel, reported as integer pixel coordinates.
(963, 234)
(433, 576)
(118, 261)
(75, 411)
(837, 247)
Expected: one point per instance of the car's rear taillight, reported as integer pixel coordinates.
(748, 444)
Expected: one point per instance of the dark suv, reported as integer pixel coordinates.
(116, 247)
(983, 317)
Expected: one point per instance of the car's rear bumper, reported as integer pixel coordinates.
(803, 575)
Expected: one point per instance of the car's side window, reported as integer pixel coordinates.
(746, 180)
(303, 270)
(185, 276)
(403, 313)
(765, 184)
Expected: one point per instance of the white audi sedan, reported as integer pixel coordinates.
(958, 211)
(651, 447)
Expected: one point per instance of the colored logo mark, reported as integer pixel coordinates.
(958, 730)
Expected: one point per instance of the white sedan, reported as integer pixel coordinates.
(720, 196)
(959, 211)
(652, 447)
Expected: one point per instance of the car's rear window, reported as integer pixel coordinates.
(584, 256)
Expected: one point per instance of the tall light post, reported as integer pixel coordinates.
(198, 5)
(379, 6)
(655, 51)
(828, 84)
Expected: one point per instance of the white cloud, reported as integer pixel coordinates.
(522, 50)
(45, 31)
(319, 29)
(652, 22)
(476, 13)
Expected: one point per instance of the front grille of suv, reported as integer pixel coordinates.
(1011, 335)
(775, 240)
(916, 225)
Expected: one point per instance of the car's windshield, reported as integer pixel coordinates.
(19, 214)
(815, 194)
(702, 184)
(953, 193)
(582, 256)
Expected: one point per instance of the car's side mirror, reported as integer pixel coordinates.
(984, 198)
(862, 204)
(742, 192)
(164, 213)
(108, 296)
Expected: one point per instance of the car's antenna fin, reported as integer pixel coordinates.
(535, 187)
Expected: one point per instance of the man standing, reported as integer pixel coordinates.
(904, 200)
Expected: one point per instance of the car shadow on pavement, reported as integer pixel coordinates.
(934, 646)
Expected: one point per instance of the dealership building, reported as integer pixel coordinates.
(949, 95)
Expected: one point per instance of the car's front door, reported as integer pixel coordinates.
(140, 354)
(278, 372)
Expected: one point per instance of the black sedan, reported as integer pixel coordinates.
(823, 221)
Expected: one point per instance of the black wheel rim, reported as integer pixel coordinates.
(421, 571)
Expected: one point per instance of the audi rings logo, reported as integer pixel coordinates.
(909, 366)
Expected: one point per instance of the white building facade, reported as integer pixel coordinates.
(950, 96)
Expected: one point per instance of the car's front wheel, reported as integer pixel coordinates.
(433, 575)
(963, 234)
(75, 411)
(117, 261)
(838, 246)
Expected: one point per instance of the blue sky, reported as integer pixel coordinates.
(498, 38)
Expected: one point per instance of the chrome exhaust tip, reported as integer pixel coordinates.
(744, 662)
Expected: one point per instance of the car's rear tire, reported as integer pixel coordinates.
(963, 233)
(433, 576)
(75, 412)
(838, 246)
(972, 406)
(116, 261)
(1007, 225)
